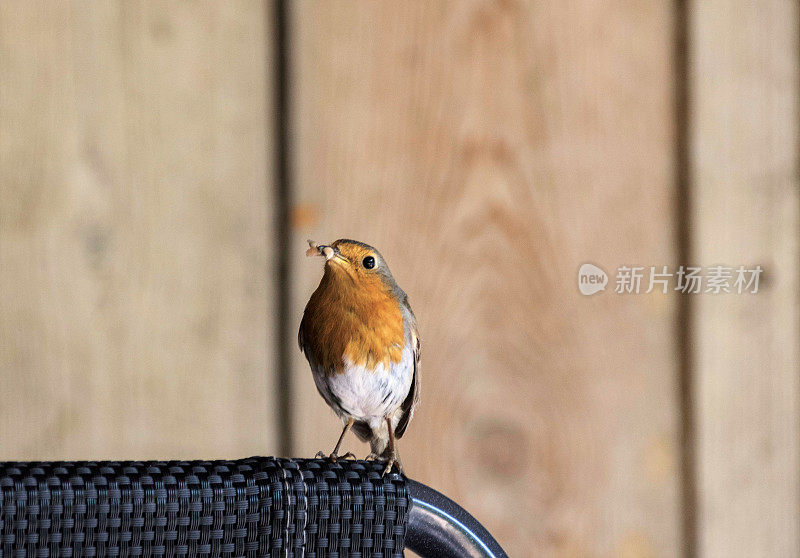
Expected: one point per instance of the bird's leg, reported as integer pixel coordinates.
(392, 456)
(334, 456)
(348, 455)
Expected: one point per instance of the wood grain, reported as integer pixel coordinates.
(745, 197)
(133, 284)
(488, 149)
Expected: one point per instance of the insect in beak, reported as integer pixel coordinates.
(324, 250)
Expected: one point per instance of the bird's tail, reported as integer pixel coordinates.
(362, 430)
(379, 446)
(378, 438)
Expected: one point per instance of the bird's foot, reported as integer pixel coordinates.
(391, 461)
(334, 456)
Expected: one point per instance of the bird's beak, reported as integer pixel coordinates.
(330, 253)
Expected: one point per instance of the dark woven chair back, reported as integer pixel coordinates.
(260, 506)
(251, 507)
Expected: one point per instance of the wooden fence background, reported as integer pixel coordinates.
(150, 282)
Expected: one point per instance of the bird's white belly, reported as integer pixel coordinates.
(370, 395)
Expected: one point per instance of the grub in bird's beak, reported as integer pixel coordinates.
(324, 250)
(314, 249)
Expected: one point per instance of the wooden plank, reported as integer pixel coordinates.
(745, 160)
(133, 284)
(489, 149)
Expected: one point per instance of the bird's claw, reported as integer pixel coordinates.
(391, 462)
(334, 456)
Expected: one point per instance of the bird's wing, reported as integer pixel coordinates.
(301, 336)
(412, 399)
(300, 340)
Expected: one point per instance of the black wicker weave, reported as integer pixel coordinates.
(250, 507)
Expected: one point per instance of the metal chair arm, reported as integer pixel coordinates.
(439, 527)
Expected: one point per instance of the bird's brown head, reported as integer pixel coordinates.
(354, 265)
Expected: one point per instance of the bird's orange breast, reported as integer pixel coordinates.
(361, 324)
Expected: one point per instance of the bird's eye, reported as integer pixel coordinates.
(368, 262)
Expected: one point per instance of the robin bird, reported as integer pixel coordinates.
(360, 337)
